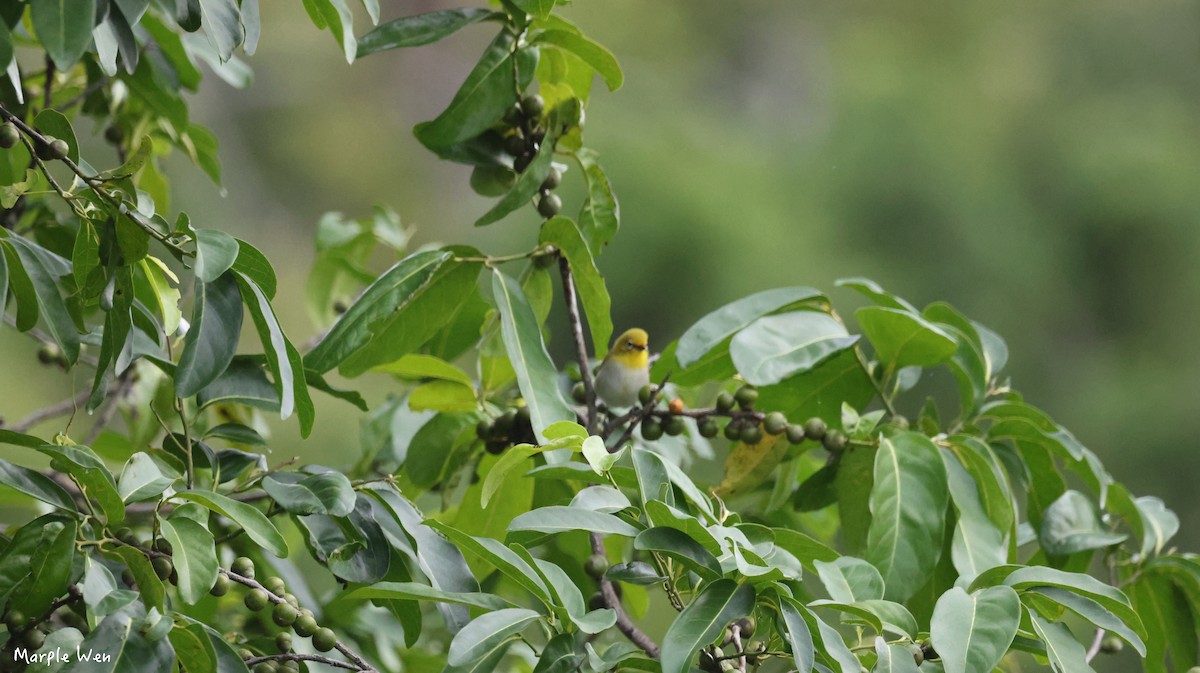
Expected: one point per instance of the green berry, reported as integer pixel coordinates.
(795, 433)
(515, 144)
(900, 422)
(533, 105)
(264, 667)
(1112, 645)
(573, 372)
(245, 654)
(595, 566)
(752, 434)
(9, 136)
(283, 641)
(746, 396)
(125, 535)
(257, 600)
(220, 587)
(59, 149)
(549, 205)
(324, 639)
(505, 423)
(275, 585)
(522, 162)
(42, 149)
(495, 447)
(579, 393)
(708, 427)
(596, 602)
(646, 394)
(114, 134)
(724, 402)
(733, 430)
(652, 429)
(553, 179)
(834, 441)
(289, 666)
(815, 428)
(128, 578)
(674, 426)
(15, 619)
(747, 625)
(162, 567)
(291, 600)
(284, 614)
(515, 115)
(162, 546)
(243, 566)
(34, 639)
(775, 423)
(306, 624)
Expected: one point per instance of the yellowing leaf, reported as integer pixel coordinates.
(749, 465)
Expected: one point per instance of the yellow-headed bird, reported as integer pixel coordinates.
(625, 370)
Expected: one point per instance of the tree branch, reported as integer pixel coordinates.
(624, 624)
(296, 656)
(635, 416)
(585, 370)
(67, 406)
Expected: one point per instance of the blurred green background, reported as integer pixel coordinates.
(1035, 164)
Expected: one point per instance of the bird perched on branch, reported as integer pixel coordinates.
(625, 370)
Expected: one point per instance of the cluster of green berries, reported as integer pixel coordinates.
(49, 149)
(522, 133)
(286, 614)
(511, 427)
(31, 636)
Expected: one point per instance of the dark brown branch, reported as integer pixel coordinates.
(635, 416)
(624, 624)
(67, 406)
(296, 656)
(585, 370)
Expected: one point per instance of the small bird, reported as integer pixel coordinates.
(625, 370)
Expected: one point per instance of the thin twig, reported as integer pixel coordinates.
(635, 416)
(45, 339)
(296, 656)
(585, 370)
(67, 406)
(624, 624)
(1097, 643)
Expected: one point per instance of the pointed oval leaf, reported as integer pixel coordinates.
(702, 622)
(724, 322)
(561, 519)
(211, 340)
(680, 546)
(419, 30)
(194, 555)
(972, 632)
(64, 28)
(773, 348)
(903, 339)
(483, 633)
(255, 523)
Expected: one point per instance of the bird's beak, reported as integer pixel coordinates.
(638, 347)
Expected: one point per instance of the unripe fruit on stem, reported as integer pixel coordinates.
(652, 429)
(291, 600)
(245, 654)
(9, 136)
(42, 149)
(162, 546)
(515, 145)
(34, 639)
(284, 614)
(114, 134)
(15, 619)
(283, 641)
(815, 428)
(220, 587)
(522, 162)
(595, 566)
(724, 402)
(495, 447)
(746, 625)
(746, 396)
(549, 205)
(125, 535)
(306, 624)
(775, 423)
(1112, 645)
(162, 567)
(834, 441)
(58, 149)
(275, 585)
(709, 428)
(515, 115)
(900, 422)
(733, 430)
(646, 394)
(795, 433)
(51, 354)
(243, 566)
(579, 393)
(324, 639)
(674, 426)
(752, 434)
(257, 600)
(533, 105)
(264, 667)
(553, 179)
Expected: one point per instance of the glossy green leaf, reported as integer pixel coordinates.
(64, 28)
(525, 187)
(478, 638)
(336, 16)
(606, 499)
(1066, 654)
(282, 357)
(22, 288)
(1071, 524)
(537, 376)
(223, 26)
(216, 252)
(44, 268)
(191, 644)
(254, 522)
(390, 293)
(972, 631)
(1159, 524)
(678, 545)
(194, 554)
(512, 458)
(592, 53)
(821, 391)
(445, 396)
(724, 322)
(1025, 577)
(48, 570)
(593, 294)
(251, 263)
(893, 659)
(419, 366)
(141, 479)
(1170, 622)
(1094, 613)
(561, 519)
(36, 485)
(90, 472)
(128, 647)
(148, 585)
(977, 544)
(166, 297)
(903, 339)
(324, 493)
(702, 622)
(908, 505)
(540, 9)
(798, 636)
(211, 340)
(418, 30)
(414, 591)
(499, 556)
(54, 123)
(872, 290)
(484, 97)
(600, 215)
(806, 549)
(849, 580)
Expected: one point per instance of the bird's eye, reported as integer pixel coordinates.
(629, 344)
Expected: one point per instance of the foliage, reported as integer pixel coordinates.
(495, 521)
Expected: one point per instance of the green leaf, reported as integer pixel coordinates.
(141, 479)
(512, 458)
(48, 571)
(216, 252)
(1159, 524)
(1065, 653)
(420, 366)
(600, 215)
(893, 659)
(192, 645)
(414, 591)
(537, 377)
(972, 632)
(680, 546)
(446, 396)
(820, 392)
(91, 474)
(166, 298)
(870, 289)
(419, 30)
(540, 9)
(1169, 619)
(849, 580)
(716, 327)
(20, 439)
(325, 493)
(251, 263)
(194, 555)
(148, 584)
(22, 288)
(592, 53)
(335, 15)
(223, 25)
(1071, 524)
(64, 28)
(593, 293)
(908, 505)
(598, 455)
(488, 92)
(282, 357)
(1094, 613)
(499, 556)
(1026, 577)
(903, 339)
(52, 122)
(44, 268)
(36, 485)
(525, 187)
(128, 647)
(211, 340)
(255, 523)
(806, 549)
(977, 544)
(561, 519)
(479, 637)
(703, 620)
(799, 638)
(390, 293)
(606, 499)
